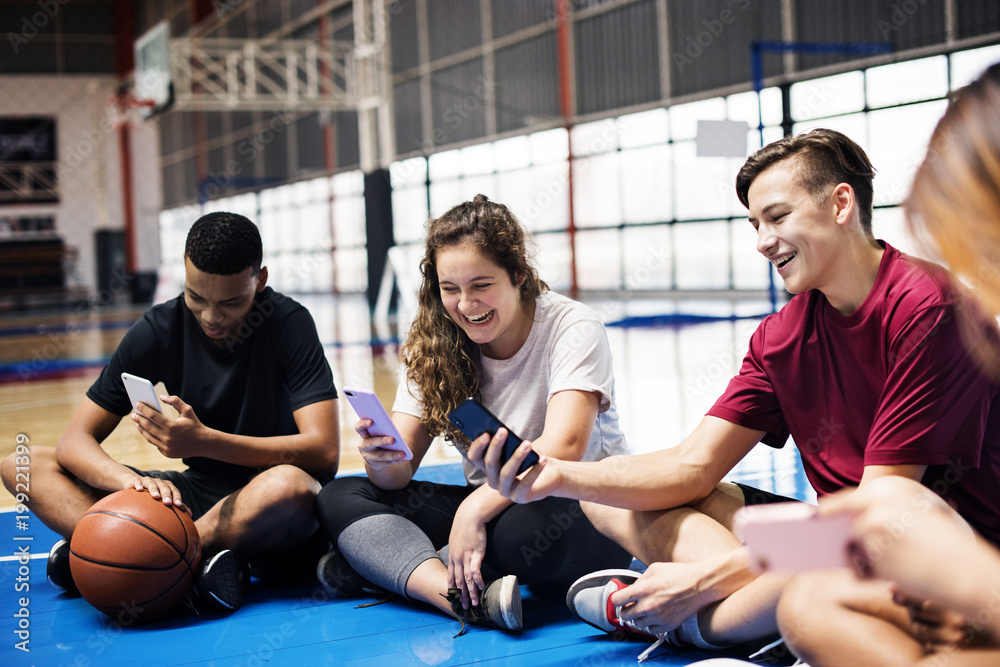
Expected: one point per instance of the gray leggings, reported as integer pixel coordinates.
(385, 535)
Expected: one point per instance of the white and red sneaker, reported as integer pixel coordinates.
(589, 598)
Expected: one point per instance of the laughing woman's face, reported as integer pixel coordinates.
(481, 298)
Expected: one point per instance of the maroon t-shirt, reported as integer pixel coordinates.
(890, 384)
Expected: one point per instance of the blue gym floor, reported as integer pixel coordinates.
(667, 375)
(287, 627)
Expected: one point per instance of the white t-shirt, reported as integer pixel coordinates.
(567, 349)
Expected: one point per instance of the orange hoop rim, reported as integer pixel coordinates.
(126, 109)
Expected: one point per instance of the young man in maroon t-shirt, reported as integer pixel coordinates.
(866, 368)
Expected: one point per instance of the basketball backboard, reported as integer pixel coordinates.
(152, 69)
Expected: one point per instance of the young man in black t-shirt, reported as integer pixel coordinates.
(257, 423)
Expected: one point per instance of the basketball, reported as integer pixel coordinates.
(133, 556)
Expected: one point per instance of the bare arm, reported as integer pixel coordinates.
(909, 471)
(385, 467)
(658, 480)
(922, 545)
(315, 448)
(569, 421)
(79, 449)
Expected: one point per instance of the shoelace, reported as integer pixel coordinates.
(453, 596)
(649, 651)
(660, 638)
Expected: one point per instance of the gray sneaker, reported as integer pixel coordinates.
(337, 576)
(499, 605)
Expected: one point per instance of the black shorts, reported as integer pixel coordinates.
(200, 490)
(292, 565)
(753, 496)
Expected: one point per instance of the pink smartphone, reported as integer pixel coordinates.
(791, 537)
(367, 405)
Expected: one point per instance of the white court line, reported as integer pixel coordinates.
(34, 556)
(13, 407)
(46, 554)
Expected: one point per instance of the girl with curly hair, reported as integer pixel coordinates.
(489, 328)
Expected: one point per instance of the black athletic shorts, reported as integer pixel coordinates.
(293, 565)
(753, 496)
(200, 491)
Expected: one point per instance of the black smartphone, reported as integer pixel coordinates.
(473, 420)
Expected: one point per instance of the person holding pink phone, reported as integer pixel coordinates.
(946, 581)
(487, 327)
(866, 367)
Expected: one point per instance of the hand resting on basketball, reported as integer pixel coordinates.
(160, 489)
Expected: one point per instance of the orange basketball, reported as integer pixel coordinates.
(133, 556)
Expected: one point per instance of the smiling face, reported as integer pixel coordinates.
(219, 303)
(796, 230)
(481, 298)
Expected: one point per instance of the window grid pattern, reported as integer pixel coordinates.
(650, 215)
(313, 234)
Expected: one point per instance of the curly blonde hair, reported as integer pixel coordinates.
(439, 357)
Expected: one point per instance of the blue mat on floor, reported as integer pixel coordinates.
(298, 627)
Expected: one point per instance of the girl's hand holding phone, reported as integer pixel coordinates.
(374, 449)
(381, 444)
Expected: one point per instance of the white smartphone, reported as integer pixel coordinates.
(791, 537)
(367, 405)
(140, 390)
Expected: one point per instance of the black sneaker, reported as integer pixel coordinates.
(224, 580)
(499, 605)
(290, 567)
(57, 569)
(339, 579)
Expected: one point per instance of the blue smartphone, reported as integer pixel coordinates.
(472, 419)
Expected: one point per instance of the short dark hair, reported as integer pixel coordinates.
(826, 158)
(224, 244)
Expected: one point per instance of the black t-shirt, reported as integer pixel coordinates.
(250, 387)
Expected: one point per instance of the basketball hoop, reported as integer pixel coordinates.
(126, 110)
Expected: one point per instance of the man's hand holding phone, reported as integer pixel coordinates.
(146, 408)
(537, 482)
(175, 437)
(476, 422)
(512, 467)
